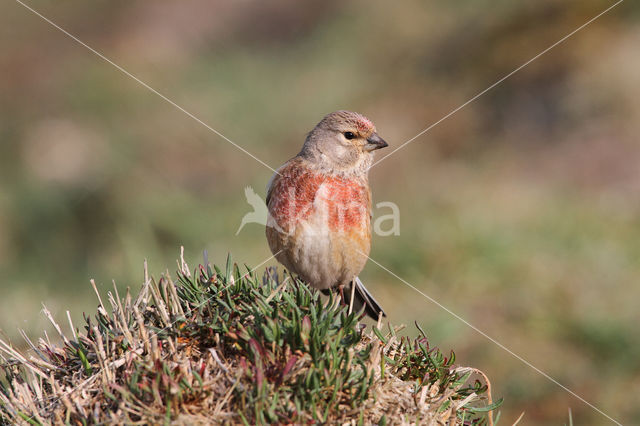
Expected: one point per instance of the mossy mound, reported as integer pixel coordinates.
(234, 347)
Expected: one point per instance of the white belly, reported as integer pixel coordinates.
(314, 256)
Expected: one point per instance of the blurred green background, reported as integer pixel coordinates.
(521, 213)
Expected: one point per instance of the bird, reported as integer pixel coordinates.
(319, 203)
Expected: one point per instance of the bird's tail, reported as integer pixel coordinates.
(362, 298)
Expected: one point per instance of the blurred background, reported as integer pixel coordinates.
(521, 213)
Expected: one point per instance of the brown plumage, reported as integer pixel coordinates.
(319, 207)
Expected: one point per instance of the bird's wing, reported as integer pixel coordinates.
(270, 187)
(274, 179)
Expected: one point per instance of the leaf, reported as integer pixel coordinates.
(487, 408)
(228, 269)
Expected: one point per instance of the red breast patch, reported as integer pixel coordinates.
(345, 201)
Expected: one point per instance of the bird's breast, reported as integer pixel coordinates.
(321, 225)
(340, 204)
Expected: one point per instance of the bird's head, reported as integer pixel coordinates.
(343, 142)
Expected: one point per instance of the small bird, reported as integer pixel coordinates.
(319, 203)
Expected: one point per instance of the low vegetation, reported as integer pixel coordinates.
(234, 346)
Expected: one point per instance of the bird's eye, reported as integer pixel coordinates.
(349, 135)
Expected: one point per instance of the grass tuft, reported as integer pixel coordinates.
(237, 347)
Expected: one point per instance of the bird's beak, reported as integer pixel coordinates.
(375, 142)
